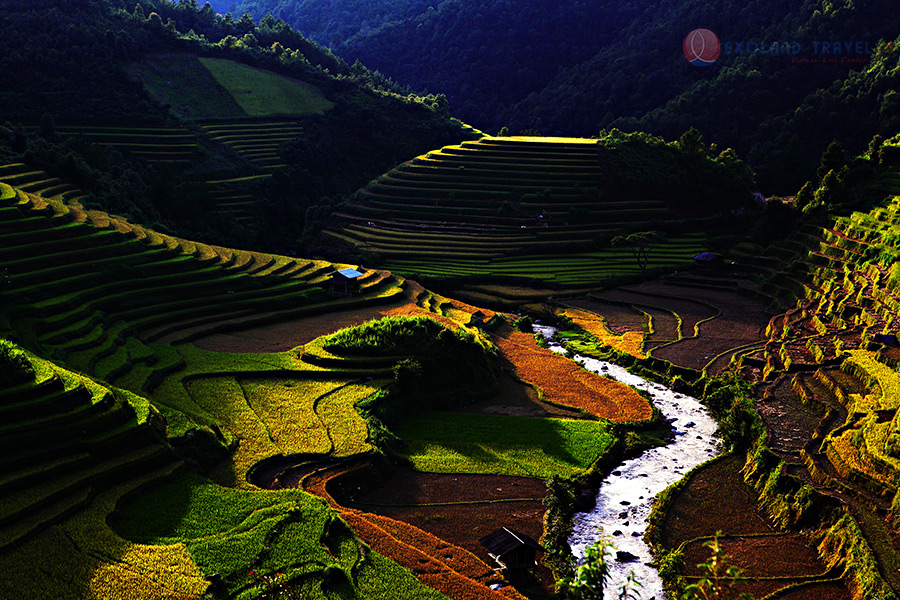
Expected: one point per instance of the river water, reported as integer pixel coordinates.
(626, 496)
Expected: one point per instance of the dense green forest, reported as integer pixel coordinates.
(333, 21)
(620, 64)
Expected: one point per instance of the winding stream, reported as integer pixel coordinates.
(626, 496)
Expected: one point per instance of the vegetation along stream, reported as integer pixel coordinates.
(625, 498)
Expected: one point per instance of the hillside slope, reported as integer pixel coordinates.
(152, 121)
(574, 68)
(113, 416)
(118, 302)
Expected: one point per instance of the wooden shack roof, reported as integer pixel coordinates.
(505, 540)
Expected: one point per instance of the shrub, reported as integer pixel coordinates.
(15, 368)
(436, 367)
(523, 324)
(671, 565)
(741, 426)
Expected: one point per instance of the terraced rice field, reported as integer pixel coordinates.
(570, 269)
(774, 561)
(121, 303)
(458, 508)
(525, 208)
(162, 287)
(565, 383)
(234, 198)
(38, 182)
(72, 449)
(154, 144)
(94, 298)
(596, 324)
(823, 396)
(258, 142)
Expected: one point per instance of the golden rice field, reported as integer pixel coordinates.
(630, 342)
(564, 382)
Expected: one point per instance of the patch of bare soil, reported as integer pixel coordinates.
(690, 311)
(742, 321)
(458, 508)
(790, 423)
(716, 499)
(830, 590)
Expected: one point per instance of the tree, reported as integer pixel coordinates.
(833, 159)
(833, 190)
(873, 151)
(155, 22)
(691, 141)
(207, 14)
(640, 243)
(805, 196)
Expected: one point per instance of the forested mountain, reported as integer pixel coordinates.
(571, 67)
(333, 21)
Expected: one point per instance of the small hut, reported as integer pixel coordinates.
(885, 339)
(709, 260)
(512, 550)
(345, 281)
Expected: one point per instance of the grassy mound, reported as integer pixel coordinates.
(432, 365)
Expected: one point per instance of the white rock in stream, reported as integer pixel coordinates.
(626, 496)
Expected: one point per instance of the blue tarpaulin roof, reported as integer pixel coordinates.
(350, 273)
(706, 256)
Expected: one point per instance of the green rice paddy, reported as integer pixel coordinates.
(264, 94)
(503, 445)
